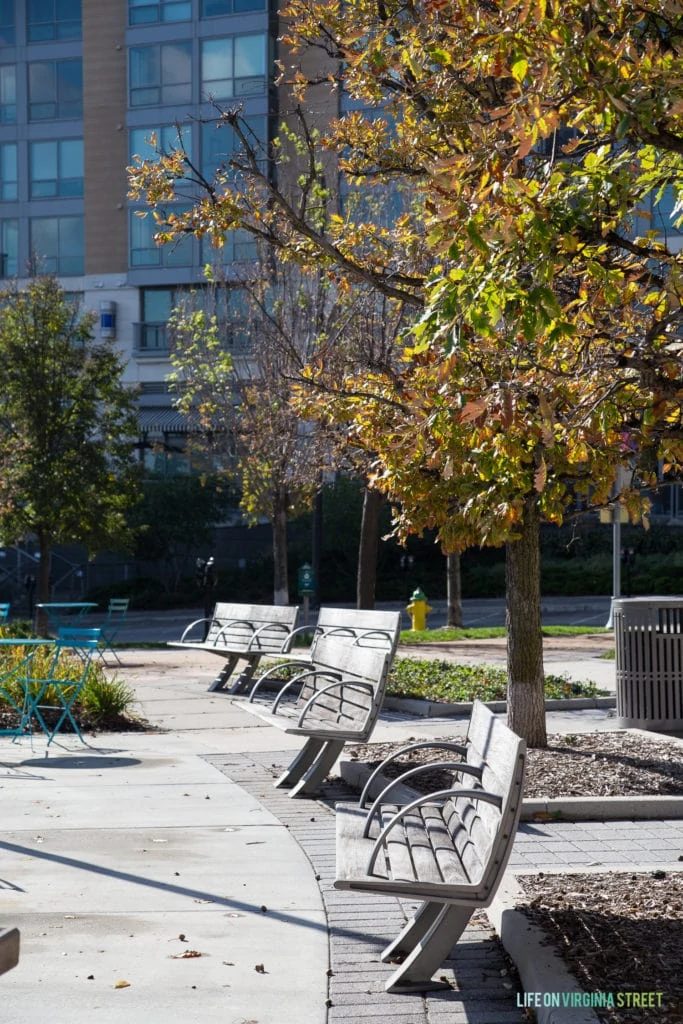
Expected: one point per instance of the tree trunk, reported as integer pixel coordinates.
(525, 689)
(368, 549)
(279, 524)
(453, 591)
(43, 584)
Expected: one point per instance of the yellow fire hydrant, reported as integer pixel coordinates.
(418, 609)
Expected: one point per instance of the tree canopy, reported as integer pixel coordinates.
(68, 426)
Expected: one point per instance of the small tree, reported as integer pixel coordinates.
(67, 427)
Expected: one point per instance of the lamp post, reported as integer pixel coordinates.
(615, 514)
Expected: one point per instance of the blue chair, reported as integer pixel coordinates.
(4, 612)
(112, 625)
(61, 688)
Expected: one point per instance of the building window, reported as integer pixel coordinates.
(57, 245)
(151, 337)
(663, 216)
(8, 93)
(220, 143)
(53, 19)
(9, 247)
(160, 74)
(215, 8)
(55, 90)
(56, 168)
(144, 252)
(239, 247)
(233, 66)
(8, 171)
(7, 23)
(145, 12)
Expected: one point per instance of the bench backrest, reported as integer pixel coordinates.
(257, 627)
(357, 707)
(360, 627)
(483, 834)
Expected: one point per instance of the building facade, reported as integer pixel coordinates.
(85, 85)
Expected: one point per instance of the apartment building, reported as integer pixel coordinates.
(83, 85)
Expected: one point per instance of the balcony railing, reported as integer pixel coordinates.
(150, 339)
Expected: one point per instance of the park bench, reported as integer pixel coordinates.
(240, 632)
(448, 848)
(335, 700)
(9, 949)
(359, 627)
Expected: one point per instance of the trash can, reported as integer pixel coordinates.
(648, 634)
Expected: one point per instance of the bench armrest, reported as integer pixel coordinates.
(444, 745)
(442, 794)
(299, 678)
(268, 626)
(456, 766)
(351, 684)
(273, 670)
(384, 634)
(197, 622)
(232, 622)
(289, 640)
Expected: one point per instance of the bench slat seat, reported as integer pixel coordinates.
(241, 632)
(337, 700)
(448, 848)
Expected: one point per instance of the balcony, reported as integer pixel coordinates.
(150, 340)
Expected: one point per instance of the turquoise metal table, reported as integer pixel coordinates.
(66, 613)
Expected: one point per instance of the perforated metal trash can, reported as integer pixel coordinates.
(648, 633)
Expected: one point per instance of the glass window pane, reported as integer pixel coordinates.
(249, 5)
(44, 244)
(43, 169)
(144, 66)
(214, 8)
(157, 304)
(250, 56)
(176, 63)
(176, 11)
(8, 171)
(71, 245)
(70, 88)
(217, 68)
(9, 243)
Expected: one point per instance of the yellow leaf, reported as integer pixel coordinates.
(122, 984)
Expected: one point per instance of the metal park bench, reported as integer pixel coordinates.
(448, 849)
(360, 628)
(240, 632)
(336, 699)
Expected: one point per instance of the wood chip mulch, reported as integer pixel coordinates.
(616, 763)
(618, 933)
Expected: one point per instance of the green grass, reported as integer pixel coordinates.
(447, 633)
(450, 682)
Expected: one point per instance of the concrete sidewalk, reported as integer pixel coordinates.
(158, 878)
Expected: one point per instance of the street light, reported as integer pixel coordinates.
(615, 514)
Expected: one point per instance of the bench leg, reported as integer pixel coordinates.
(300, 764)
(436, 928)
(319, 769)
(245, 679)
(224, 674)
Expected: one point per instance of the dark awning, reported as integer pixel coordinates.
(165, 420)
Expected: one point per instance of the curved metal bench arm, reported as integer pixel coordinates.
(196, 622)
(289, 641)
(445, 745)
(275, 626)
(233, 622)
(351, 684)
(458, 766)
(297, 679)
(377, 633)
(442, 794)
(273, 670)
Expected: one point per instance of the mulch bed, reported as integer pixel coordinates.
(585, 764)
(617, 933)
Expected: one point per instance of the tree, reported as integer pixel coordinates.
(235, 371)
(548, 355)
(68, 427)
(542, 139)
